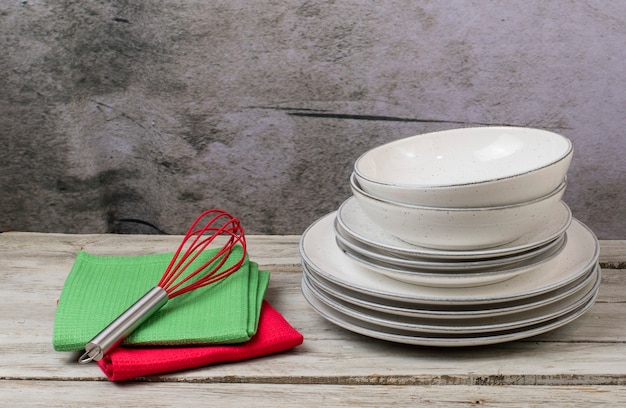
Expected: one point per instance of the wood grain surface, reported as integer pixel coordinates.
(581, 364)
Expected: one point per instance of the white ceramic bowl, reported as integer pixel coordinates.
(471, 167)
(458, 228)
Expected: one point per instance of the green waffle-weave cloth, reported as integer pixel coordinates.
(100, 288)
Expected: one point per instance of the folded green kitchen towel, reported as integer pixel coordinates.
(100, 288)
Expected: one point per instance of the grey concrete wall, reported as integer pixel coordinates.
(133, 116)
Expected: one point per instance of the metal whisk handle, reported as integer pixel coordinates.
(121, 327)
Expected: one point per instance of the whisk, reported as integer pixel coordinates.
(176, 280)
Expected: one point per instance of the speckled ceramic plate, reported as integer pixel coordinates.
(375, 255)
(440, 339)
(353, 222)
(366, 301)
(466, 326)
(460, 278)
(321, 254)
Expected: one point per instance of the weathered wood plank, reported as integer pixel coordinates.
(613, 254)
(266, 250)
(101, 394)
(33, 268)
(590, 350)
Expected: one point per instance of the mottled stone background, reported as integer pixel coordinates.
(133, 116)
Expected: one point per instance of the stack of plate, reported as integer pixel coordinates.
(364, 279)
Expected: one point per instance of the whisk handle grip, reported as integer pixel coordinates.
(121, 327)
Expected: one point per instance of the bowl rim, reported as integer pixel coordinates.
(354, 185)
(568, 152)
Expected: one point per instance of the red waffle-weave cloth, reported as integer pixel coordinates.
(274, 335)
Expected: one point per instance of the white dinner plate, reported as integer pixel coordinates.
(320, 253)
(350, 245)
(463, 278)
(353, 221)
(460, 326)
(440, 340)
(446, 312)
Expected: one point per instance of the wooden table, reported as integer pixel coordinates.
(581, 364)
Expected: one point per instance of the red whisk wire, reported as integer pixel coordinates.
(229, 227)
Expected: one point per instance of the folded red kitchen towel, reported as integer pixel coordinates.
(274, 335)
